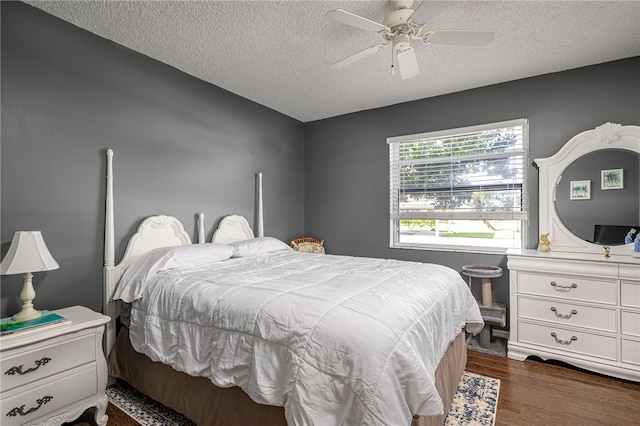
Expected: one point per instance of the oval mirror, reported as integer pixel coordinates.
(598, 196)
(571, 191)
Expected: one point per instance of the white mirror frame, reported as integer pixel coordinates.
(606, 136)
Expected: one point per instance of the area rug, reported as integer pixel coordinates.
(475, 403)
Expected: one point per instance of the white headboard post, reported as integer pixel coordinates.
(201, 228)
(109, 249)
(108, 308)
(259, 209)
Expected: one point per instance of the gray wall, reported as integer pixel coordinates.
(347, 159)
(181, 147)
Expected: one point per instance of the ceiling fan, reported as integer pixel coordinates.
(402, 26)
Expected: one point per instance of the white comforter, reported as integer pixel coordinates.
(336, 340)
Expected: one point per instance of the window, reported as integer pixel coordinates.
(460, 189)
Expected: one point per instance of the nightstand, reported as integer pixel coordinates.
(53, 375)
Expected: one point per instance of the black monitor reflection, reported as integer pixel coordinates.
(614, 234)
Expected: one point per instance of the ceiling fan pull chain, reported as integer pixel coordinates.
(393, 69)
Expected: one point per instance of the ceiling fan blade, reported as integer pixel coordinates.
(408, 63)
(358, 56)
(461, 38)
(428, 10)
(354, 20)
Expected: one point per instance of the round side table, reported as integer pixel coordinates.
(486, 272)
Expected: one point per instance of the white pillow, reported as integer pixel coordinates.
(134, 279)
(257, 246)
(195, 255)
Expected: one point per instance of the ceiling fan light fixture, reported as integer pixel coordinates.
(401, 42)
(408, 63)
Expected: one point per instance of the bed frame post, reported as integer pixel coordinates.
(259, 207)
(109, 237)
(201, 228)
(109, 306)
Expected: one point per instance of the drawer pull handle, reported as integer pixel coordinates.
(563, 341)
(18, 370)
(20, 410)
(563, 316)
(563, 287)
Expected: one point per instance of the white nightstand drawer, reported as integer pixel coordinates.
(567, 287)
(568, 314)
(630, 322)
(631, 352)
(630, 294)
(568, 340)
(45, 361)
(48, 397)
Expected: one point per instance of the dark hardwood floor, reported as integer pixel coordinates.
(545, 393)
(531, 393)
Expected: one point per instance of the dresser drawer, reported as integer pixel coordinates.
(568, 340)
(569, 287)
(47, 397)
(44, 361)
(568, 314)
(630, 323)
(629, 271)
(631, 352)
(630, 294)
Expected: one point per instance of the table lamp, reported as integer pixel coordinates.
(28, 253)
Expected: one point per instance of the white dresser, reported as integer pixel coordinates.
(53, 375)
(580, 308)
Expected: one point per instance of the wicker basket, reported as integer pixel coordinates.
(308, 245)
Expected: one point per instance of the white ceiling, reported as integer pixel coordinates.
(278, 53)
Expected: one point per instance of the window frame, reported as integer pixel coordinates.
(394, 173)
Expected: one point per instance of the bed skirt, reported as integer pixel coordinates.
(206, 404)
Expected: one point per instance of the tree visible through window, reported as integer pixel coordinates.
(459, 188)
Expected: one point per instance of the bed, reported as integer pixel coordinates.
(243, 330)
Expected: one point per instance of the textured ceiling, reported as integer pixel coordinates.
(278, 53)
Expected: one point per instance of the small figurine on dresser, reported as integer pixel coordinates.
(544, 245)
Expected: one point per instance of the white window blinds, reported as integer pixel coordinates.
(469, 173)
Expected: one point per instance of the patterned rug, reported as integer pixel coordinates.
(475, 403)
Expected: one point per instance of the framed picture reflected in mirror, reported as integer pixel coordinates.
(612, 179)
(580, 190)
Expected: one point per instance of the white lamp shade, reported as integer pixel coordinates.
(27, 253)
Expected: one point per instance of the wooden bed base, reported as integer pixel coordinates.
(206, 404)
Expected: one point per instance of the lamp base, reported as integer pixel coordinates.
(27, 295)
(27, 313)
